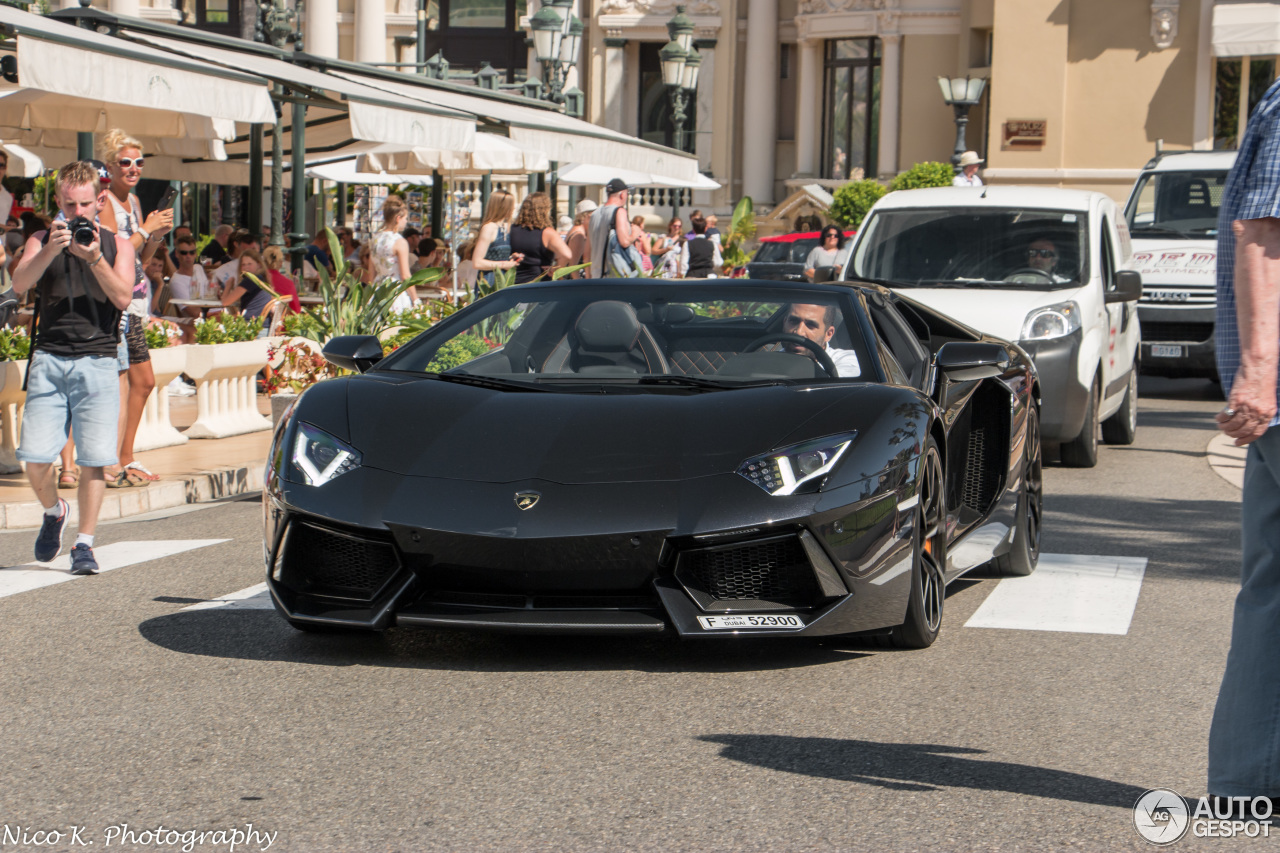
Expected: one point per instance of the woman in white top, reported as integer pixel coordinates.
(828, 253)
(123, 156)
(390, 251)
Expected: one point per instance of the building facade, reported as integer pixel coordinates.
(801, 92)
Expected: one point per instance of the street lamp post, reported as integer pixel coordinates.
(680, 65)
(961, 94)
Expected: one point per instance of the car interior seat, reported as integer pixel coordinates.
(607, 338)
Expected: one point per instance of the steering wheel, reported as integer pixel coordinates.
(819, 353)
(1018, 276)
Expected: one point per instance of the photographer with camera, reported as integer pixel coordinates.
(83, 278)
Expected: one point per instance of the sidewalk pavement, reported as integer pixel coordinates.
(1226, 459)
(200, 470)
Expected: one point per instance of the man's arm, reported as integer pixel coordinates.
(1257, 288)
(116, 281)
(36, 257)
(623, 226)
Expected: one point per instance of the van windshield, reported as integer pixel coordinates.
(967, 247)
(1176, 205)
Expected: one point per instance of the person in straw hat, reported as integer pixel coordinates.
(968, 177)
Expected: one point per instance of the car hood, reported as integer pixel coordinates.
(998, 312)
(435, 429)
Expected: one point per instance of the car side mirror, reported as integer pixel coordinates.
(964, 361)
(821, 275)
(1128, 288)
(353, 352)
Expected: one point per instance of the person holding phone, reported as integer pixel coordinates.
(123, 156)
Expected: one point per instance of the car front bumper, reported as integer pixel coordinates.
(1064, 398)
(599, 559)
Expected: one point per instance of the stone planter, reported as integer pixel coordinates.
(156, 430)
(12, 400)
(280, 402)
(226, 388)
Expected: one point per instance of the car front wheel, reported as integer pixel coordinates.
(1024, 553)
(929, 558)
(1082, 451)
(1122, 427)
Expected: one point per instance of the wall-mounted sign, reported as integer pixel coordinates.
(1024, 133)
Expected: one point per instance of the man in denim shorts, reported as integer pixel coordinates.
(83, 276)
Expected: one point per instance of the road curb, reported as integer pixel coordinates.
(1227, 460)
(164, 494)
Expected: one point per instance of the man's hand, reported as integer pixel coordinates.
(1251, 408)
(59, 239)
(89, 253)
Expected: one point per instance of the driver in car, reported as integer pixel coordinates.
(1042, 255)
(818, 324)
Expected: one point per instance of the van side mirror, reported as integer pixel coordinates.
(353, 352)
(964, 361)
(1128, 288)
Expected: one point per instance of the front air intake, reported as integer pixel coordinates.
(321, 561)
(763, 574)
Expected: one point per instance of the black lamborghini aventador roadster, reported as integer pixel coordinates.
(700, 457)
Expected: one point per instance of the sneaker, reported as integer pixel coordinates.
(82, 561)
(49, 542)
(178, 388)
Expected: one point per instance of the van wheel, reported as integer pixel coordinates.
(1082, 451)
(1122, 427)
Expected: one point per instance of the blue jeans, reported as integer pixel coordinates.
(1244, 740)
(82, 394)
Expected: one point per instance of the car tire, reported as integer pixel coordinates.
(1082, 451)
(1122, 427)
(928, 558)
(1024, 553)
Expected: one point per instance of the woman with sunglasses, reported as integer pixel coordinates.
(828, 253)
(123, 156)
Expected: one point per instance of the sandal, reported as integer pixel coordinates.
(68, 478)
(125, 479)
(141, 473)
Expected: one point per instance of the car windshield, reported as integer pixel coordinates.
(962, 247)
(781, 252)
(1176, 205)
(647, 337)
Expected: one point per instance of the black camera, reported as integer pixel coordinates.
(82, 231)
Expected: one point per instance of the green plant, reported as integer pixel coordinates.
(158, 336)
(742, 228)
(15, 344)
(853, 200)
(350, 306)
(305, 324)
(927, 174)
(459, 350)
(228, 328)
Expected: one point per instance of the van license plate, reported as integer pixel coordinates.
(720, 623)
(1165, 351)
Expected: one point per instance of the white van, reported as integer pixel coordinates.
(1173, 219)
(1045, 267)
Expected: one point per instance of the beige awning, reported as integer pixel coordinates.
(538, 129)
(492, 155)
(1246, 29)
(363, 113)
(63, 60)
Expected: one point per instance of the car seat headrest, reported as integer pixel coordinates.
(608, 327)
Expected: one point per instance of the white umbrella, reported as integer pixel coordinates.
(586, 174)
(346, 172)
(492, 154)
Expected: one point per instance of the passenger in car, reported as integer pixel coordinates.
(818, 324)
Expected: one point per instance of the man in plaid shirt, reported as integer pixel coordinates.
(1244, 741)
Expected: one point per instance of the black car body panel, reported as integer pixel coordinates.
(582, 511)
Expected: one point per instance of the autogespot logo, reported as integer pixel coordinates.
(1161, 816)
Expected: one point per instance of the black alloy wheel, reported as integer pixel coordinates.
(1024, 553)
(929, 558)
(1082, 451)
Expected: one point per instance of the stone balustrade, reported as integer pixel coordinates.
(226, 388)
(156, 430)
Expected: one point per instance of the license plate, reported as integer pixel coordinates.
(721, 623)
(1165, 351)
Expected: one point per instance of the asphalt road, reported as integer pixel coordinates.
(121, 707)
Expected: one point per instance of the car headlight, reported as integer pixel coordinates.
(797, 469)
(320, 457)
(1051, 321)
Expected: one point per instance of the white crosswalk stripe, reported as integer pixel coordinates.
(16, 579)
(1067, 592)
(255, 597)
